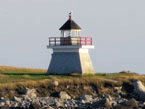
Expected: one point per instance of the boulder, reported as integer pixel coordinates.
(35, 106)
(127, 87)
(108, 97)
(117, 90)
(139, 90)
(4, 107)
(31, 93)
(58, 104)
(125, 71)
(54, 83)
(2, 103)
(102, 103)
(86, 98)
(6, 101)
(64, 95)
(18, 99)
(130, 104)
(15, 104)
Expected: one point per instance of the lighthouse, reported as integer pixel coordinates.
(70, 51)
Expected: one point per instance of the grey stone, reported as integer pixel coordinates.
(4, 107)
(58, 104)
(5, 101)
(15, 104)
(102, 103)
(18, 99)
(64, 95)
(2, 98)
(8, 102)
(86, 98)
(108, 97)
(2, 103)
(139, 90)
(31, 93)
(117, 90)
(132, 103)
(54, 83)
(35, 105)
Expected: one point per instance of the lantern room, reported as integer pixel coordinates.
(70, 28)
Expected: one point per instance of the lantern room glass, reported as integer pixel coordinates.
(72, 33)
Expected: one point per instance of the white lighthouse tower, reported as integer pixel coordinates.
(70, 51)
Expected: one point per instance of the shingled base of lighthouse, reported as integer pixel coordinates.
(70, 59)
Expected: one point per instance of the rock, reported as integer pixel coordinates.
(125, 71)
(117, 90)
(64, 95)
(8, 102)
(18, 99)
(117, 96)
(127, 87)
(29, 93)
(2, 103)
(2, 98)
(83, 101)
(54, 83)
(15, 104)
(114, 103)
(26, 97)
(58, 104)
(139, 90)
(121, 107)
(102, 103)
(65, 105)
(35, 105)
(4, 107)
(108, 97)
(86, 98)
(132, 103)
(108, 104)
(48, 107)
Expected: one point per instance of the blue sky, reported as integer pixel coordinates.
(117, 27)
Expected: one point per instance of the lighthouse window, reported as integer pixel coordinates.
(67, 33)
(73, 33)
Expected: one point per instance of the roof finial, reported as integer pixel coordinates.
(70, 17)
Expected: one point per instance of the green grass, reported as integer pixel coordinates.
(11, 76)
(15, 74)
(20, 76)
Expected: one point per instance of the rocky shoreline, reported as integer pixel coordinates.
(135, 99)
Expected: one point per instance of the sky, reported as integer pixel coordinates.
(117, 28)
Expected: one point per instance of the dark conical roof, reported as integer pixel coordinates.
(70, 24)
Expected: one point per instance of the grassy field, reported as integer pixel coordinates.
(10, 74)
(14, 79)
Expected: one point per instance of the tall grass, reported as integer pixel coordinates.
(10, 69)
